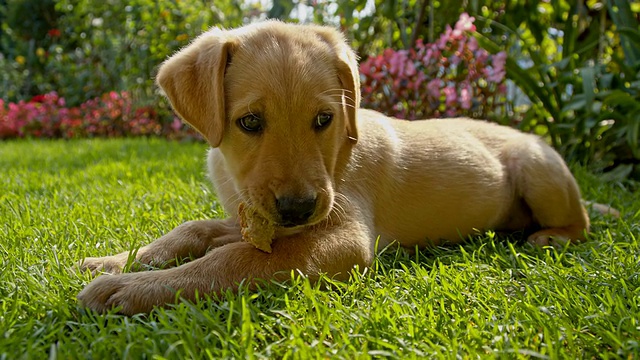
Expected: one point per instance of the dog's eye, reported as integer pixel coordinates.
(250, 123)
(322, 120)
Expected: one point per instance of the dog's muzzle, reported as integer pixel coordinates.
(295, 211)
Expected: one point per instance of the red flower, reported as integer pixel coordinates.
(54, 33)
(38, 99)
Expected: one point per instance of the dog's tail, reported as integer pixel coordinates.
(602, 208)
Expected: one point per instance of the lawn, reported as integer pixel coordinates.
(63, 200)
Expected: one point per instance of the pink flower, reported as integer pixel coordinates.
(420, 78)
(472, 44)
(176, 124)
(378, 61)
(411, 83)
(398, 62)
(365, 68)
(433, 87)
(465, 97)
(427, 56)
(451, 96)
(465, 23)
(444, 38)
(409, 69)
(497, 73)
(499, 61)
(481, 56)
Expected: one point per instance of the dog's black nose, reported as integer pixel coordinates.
(295, 210)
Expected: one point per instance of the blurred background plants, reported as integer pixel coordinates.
(578, 64)
(452, 76)
(572, 67)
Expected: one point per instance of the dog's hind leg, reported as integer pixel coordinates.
(544, 182)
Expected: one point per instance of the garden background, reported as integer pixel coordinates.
(85, 68)
(79, 73)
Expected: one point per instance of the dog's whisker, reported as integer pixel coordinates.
(226, 181)
(336, 210)
(347, 105)
(348, 98)
(339, 208)
(344, 98)
(239, 196)
(342, 103)
(342, 211)
(341, 90)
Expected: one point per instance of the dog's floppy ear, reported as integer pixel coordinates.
(348, 74)
(193, 81)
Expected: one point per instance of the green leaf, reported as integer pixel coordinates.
(622, 99)
(619, 173)
(570, 33)
(588, 84)
(624, 18)
(578, 102)
(633, 129)
(631, 33)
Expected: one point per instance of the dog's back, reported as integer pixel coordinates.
(436, 180)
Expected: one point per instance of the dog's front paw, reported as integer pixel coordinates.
(108, 264)
(132, 293)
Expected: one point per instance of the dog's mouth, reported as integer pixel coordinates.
(297, 222)
(289, 231)
(290, 225)
(293, 212)
(289, 228)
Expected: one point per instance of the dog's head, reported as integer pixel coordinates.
(279, 101)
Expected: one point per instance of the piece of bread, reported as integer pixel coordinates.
(255, 229)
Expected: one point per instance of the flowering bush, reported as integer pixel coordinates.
(451, 77)
(111, 115)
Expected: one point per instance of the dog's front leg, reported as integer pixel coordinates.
(191, 239)
(333, 251)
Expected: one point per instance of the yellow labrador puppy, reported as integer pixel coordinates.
(279, 105)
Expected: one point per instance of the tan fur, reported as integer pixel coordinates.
(418, 183)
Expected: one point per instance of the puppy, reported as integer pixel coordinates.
(279, 105)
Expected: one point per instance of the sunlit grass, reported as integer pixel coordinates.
(61, 201)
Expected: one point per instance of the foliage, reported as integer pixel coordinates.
(580, 68)
(373, 26)
(111, 115)
(450, 77)
(490, 297)
(575, 64)
(28, 20)
(97, 46)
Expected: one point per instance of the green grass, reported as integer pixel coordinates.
(61, 201)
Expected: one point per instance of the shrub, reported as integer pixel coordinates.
(450, 77)
(84, 48)
(113, 114)
(579, 66)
